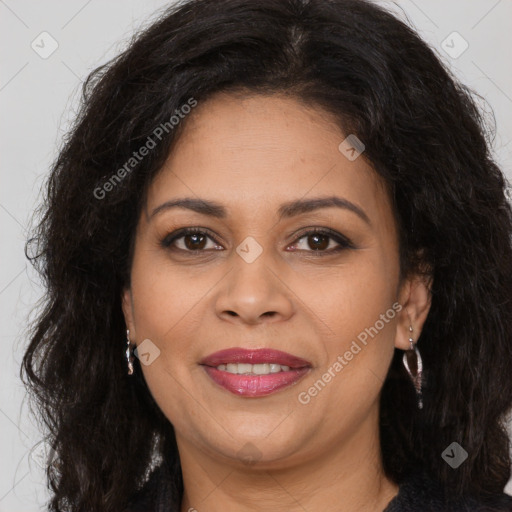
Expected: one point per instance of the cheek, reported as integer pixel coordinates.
(357, 355)
(166, 297)
(357, 306)
(168, 312)
(352, 297)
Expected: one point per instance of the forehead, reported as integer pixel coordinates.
(254, 152)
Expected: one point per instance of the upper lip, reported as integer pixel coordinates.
(254, 356)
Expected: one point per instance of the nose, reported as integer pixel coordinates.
(256, 292)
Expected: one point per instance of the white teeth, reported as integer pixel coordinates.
(254, 369)
(274, 368)
(261, 369)
(244, 368)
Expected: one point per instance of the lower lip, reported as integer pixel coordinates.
(255, 385)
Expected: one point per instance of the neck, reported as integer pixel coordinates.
(346, 478)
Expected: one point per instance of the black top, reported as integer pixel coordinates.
(417, 493)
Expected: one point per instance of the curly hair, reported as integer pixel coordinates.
(424, 134)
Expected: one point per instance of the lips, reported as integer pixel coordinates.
(258, 356)
(250, 385)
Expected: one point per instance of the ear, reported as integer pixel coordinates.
(127, 305)
(415, 297)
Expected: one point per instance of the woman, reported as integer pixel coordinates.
(279, 273)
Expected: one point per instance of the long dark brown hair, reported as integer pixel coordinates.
(424, 134)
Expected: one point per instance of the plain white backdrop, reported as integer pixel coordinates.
(47, 49)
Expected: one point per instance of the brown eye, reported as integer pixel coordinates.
(190, 240)
(322, 241)
(194, 241)
(318, 242)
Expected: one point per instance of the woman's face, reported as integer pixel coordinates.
(264, 169)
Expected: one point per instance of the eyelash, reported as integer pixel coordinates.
(344, 243)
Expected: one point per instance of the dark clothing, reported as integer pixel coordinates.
(420, 493)
(417, 493)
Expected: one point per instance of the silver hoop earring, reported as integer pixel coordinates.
(414, 366)
(129, 357)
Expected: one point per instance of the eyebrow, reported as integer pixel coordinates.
(286, 210)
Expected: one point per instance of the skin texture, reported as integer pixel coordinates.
(251, 155)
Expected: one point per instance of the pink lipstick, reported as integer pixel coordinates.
(254, 373)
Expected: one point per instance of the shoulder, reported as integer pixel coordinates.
(156, 495)
(423, 493)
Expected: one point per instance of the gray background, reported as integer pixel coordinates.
(38, 98)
